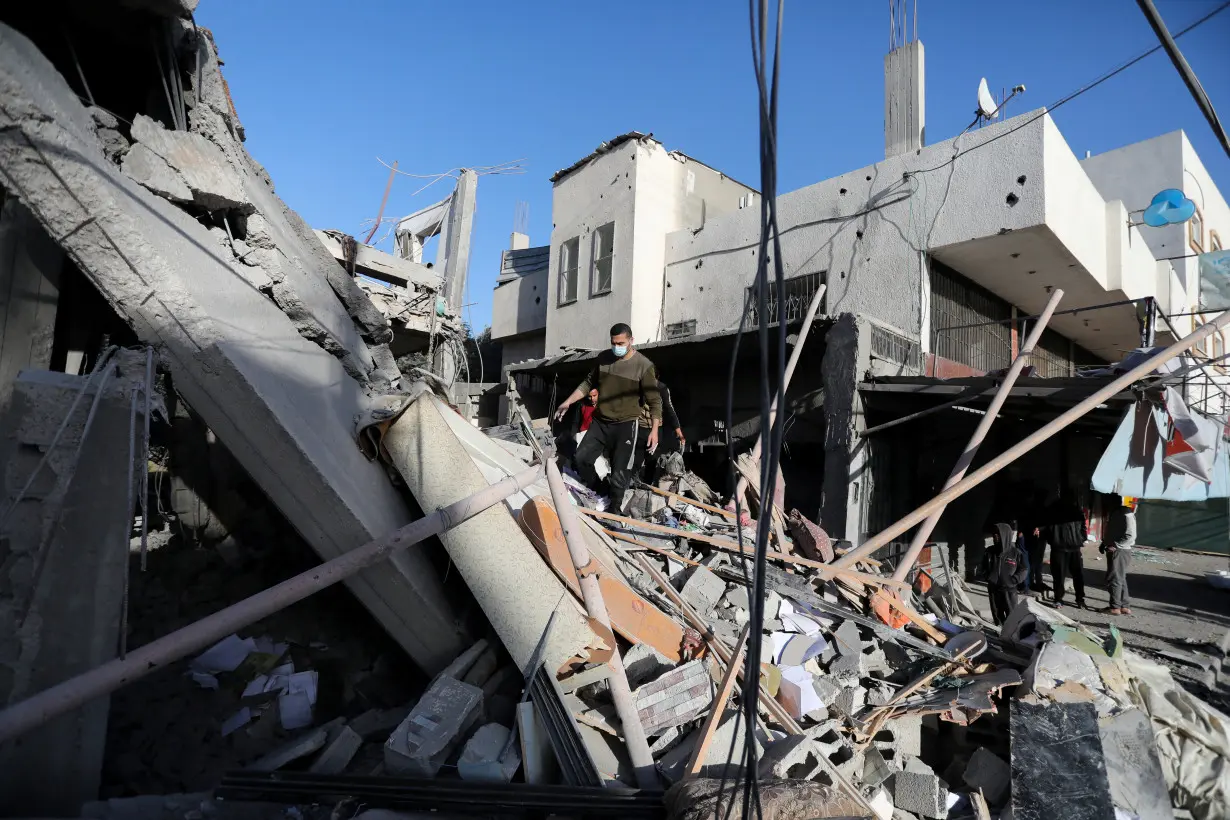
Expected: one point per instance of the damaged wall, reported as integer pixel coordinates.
(267, 354)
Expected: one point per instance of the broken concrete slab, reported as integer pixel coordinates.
(483, 757)
(283, 405)
(377, 724)
(986, 771)
(1133, 768)
(644, 663)
(920, 793)
(199, 163)
(434, 729)
(152, 171)
(703, 589)
(340, 748)
(300, 746)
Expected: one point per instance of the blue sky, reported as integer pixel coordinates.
(323, 88)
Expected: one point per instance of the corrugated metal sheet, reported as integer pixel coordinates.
(523, 262)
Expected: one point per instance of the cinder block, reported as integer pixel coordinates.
(919, 793)
(703, 590)
(434, 728)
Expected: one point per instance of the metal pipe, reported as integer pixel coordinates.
(591, 594)
(966, 396)
(795, 352)
(21, 717)
(980, 433)
(1033, 440)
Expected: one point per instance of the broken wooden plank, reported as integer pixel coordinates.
(733, 669)
(827, 570)
(631, 615)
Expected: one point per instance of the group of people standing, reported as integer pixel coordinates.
(622, 406)
(1013, 564)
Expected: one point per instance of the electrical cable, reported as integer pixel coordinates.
(1073, 95)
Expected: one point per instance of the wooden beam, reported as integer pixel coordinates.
(674, 556)
(827, 570)
(718, 709)
(692, 501)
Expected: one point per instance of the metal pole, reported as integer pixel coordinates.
(80, 690)
(808, 318)
(591, 594)
(1033, 440)
(980, 433)
(1185, 71)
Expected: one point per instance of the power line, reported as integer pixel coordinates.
(1076, 93)
(1185, 71)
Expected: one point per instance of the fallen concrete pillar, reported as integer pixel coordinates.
(441, 456)
(281, 403)
(63, 566)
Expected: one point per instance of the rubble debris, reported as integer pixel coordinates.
(989, 774)
(703, 590)
(811, 540)
(300, 746)
(677, 697)
(488, 756)
(536, 753)
(709, 798)
(340, 748)
(435, 727)
(1133, 768)
(920, 793)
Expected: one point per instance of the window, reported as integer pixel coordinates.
(568, 255)
(1195, 231)
(604, 256)
(1214, 241)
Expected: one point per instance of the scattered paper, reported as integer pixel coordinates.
(224, 656)
(798, 692)
(204, 680)
(294, 710)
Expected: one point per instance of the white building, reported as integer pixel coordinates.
(933, 260)
(611, 212)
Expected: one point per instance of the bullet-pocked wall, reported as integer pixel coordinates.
(866, 230)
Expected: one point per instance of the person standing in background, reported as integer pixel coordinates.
(1006, 571)
(1117, 544)
(1035, 544)
(1066, 531)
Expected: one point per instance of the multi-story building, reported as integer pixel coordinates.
(935, 260)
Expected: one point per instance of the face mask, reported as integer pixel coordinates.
(619, 350)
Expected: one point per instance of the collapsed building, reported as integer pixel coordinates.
(193, 375)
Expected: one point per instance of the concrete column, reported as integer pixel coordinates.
(455, 239)
(63, 561)
(905, 117)
(518, 241)
(846, 358)
(30, 264)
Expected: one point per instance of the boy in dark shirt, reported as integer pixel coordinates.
(1006, 570)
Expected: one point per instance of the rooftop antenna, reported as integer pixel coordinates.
(521, 217)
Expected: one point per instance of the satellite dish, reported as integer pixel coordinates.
(1169, 207)
(986, 103)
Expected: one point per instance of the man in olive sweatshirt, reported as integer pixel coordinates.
(626, 381)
